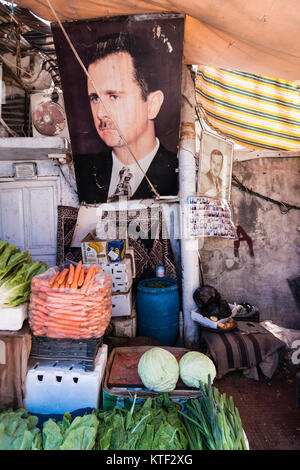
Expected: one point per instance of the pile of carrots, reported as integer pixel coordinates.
(74, 278)
(73, 303)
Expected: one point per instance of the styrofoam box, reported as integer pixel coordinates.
(56, 386)
(12, 318)
(121, 304)
(121, 274)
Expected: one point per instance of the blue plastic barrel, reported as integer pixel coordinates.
(158, 310)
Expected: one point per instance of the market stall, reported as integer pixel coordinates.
(117, 341)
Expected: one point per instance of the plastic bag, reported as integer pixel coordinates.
(70, 313)
(288, 336)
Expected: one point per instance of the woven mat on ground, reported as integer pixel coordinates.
(237, 351)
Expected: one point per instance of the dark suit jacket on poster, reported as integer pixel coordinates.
(93, 173)
(207, 183)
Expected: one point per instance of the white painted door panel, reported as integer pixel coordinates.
(12, 216)
(28, 216)
(42, 219)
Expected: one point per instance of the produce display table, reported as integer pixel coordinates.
(14, 353)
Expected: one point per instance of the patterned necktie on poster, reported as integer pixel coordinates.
(123, 187)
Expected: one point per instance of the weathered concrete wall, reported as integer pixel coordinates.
(261, 279)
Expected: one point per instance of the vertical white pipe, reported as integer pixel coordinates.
(187, 186)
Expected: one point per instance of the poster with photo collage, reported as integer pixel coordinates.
(210, 217)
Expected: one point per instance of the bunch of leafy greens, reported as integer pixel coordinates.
(18, 431)
(79, 434)
(16, 273)
(153, 426)
(213, 422)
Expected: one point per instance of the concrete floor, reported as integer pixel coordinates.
(267, 408)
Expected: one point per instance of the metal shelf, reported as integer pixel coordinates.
(33, 148)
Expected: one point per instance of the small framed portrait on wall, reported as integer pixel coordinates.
(215, 166)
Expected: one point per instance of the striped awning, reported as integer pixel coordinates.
(256, 111)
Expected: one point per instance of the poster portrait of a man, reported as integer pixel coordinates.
(124, 140)
(215, 170)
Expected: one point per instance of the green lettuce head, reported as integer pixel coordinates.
(195, 367)
(158, 370)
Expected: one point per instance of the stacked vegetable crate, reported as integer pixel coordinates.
(122, 274)
(70, 309)
(83, 352)
(123, 315)
(57, 387)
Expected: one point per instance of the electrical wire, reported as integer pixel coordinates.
(283, 206)
(94, 85)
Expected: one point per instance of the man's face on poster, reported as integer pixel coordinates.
(120, 110)
(216, 163)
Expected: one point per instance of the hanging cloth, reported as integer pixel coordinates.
(253, 110)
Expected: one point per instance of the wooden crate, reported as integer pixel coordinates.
(14, 354)
(121, 395)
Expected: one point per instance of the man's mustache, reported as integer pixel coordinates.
(106, 123)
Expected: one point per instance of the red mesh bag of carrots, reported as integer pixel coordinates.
(71, 302)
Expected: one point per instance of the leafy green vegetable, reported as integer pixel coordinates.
(15, 288)
(153, 426)
(18, 431)
(212, 422)
(66, 435)
(10, 258)
(3, 244)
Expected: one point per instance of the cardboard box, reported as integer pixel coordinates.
(125, 327)
(92, 250)
(121, 304)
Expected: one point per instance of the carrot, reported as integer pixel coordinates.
(71, 275)
(89, 275)
(62, 277)
(76, 275)
(54, 278)
(81, 277)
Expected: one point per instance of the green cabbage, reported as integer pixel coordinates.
(158, 370)
(194, 367)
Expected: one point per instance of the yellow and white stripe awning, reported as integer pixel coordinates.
(253, 110)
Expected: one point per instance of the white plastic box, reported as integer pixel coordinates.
(12, 318)
(121, 273)
(121, 304)
(54, 388)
